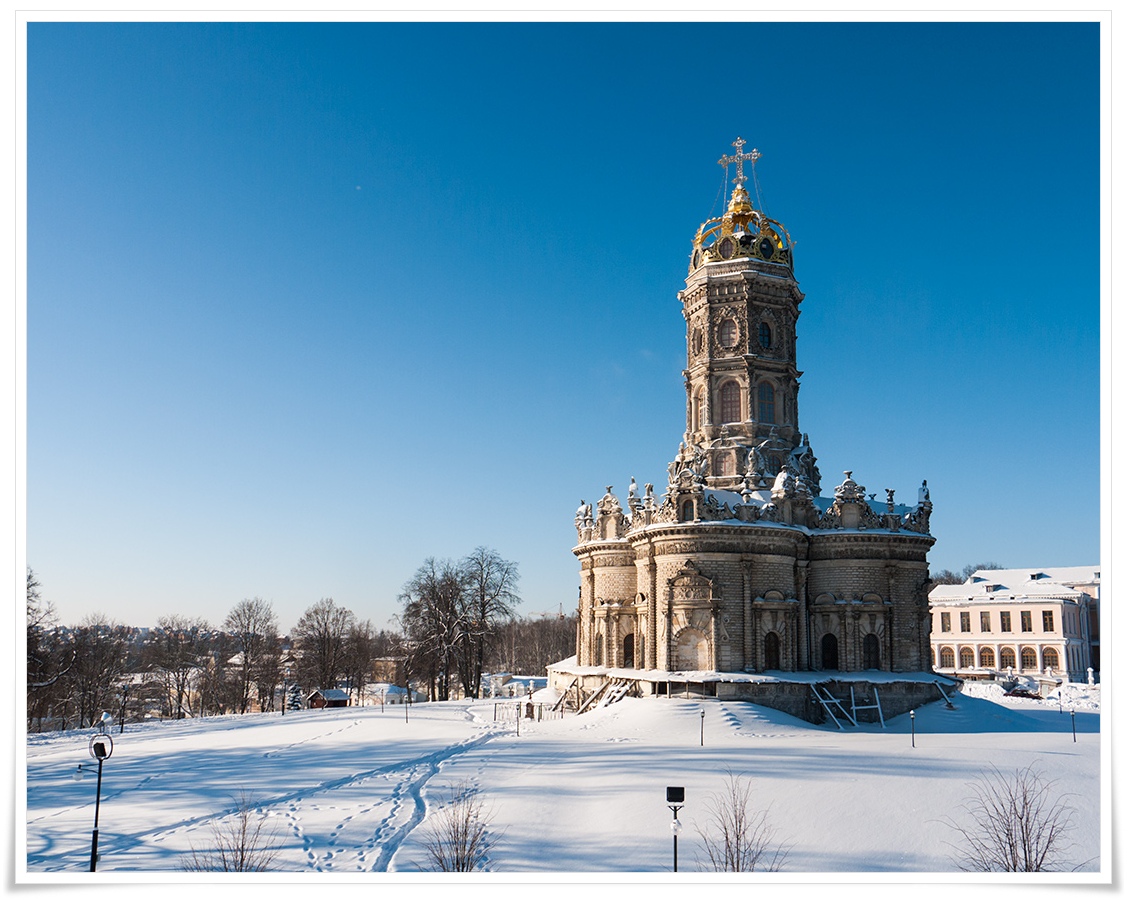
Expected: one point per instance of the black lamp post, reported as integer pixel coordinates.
(1073, 722)
(702, 728)
(912, 724)
(675, 796)
(101, 749)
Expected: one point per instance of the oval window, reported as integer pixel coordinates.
(727, 334)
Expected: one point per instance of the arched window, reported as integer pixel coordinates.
(947, 658)
(598, 661)
(765, 335)
(829, 651)
(1006, 658)
(628, 651)
(766, 397)
(728, 334)
(1029, 658)
(730, 402)
(771, 650)
(1050, 658)
(871, 652)
(987, 658)
(967, 657)
(698, 408)
(687, 511)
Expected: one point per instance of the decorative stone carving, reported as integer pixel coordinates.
(610, 522)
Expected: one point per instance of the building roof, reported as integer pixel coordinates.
(331, 694)
(1054, 583)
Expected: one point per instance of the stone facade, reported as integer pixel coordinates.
(741, 564)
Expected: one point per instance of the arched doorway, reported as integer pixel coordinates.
(629, 651)
(871, 652)
(692, 652)
(829, 651)
(771, 651)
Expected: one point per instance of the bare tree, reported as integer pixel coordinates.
(457, 839)
(435, 624)
(100, 661)
(737, 837)
(49, 656)
(947, 576)
(359, 653)
(321, 635)
(176, 653)
(527, 646)
(253, 625)
(491, 593)
(241, 842)
(1013, 824)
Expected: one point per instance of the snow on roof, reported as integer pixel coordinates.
(1026, 583)
(698, 677)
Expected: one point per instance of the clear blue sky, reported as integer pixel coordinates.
(309, 303)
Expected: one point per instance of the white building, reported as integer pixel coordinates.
(1029, 622)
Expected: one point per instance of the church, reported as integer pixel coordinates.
(738, 577)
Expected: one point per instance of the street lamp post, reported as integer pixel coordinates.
(1073, 722)
(101, 749)
(675, 796)
(912, 724)
(702, 728)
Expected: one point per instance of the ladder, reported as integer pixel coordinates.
(598, 692)
(830, 703)
(875, 705)
(619, 689)
(564, 696)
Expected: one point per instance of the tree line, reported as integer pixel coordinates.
(457, 623)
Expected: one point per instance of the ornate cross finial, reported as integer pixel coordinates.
(739, 159)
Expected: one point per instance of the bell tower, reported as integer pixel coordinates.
(741, 304)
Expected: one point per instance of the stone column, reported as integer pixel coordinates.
(652, 614)
(748, 626)
(804, 624)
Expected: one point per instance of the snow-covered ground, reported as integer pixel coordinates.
(348, 791)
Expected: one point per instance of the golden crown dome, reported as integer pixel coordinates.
(743, 231)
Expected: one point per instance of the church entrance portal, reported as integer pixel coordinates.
(829, 651)
(871, 652)
(771, 650)
(692, 651)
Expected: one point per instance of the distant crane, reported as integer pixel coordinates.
(559, 614)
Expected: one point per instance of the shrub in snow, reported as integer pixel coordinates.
(240, 842)
(1013, 823)
(736, 836)
(457, 838)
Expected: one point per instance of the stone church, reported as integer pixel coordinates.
(739, 566)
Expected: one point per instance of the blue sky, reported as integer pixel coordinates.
(310, 303)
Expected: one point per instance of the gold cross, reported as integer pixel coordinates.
(739, 159)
